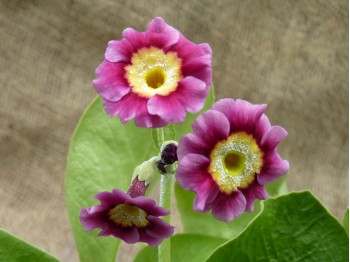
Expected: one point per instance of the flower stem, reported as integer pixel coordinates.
(166, 186)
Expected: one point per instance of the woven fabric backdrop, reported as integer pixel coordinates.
(292, 55)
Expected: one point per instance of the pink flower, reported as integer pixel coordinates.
(154, 76)
(229, 157)
(130, 219)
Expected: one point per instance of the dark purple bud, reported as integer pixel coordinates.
(161, 166)
(169, 155)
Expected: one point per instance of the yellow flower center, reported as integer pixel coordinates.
(235, 161)
(125, 215)
(152, 72)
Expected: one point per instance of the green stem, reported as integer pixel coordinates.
(166, 186)
(160, 136)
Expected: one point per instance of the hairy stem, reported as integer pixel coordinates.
(166, 186)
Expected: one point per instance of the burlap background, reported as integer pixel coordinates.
(292, 55)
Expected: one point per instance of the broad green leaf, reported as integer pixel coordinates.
(205, 223)
(186, 126)
(102, 156)
(293, 227)
(184, 247)
(346, 221)
(13, 249)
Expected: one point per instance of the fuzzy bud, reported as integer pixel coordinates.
(142, 177)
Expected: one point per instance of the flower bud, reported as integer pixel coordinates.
(142, 177)
(168, 152)
(161, 166)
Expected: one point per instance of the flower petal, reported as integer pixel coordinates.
(158, 228)
(273, 137)
(206, 194)
(119, 51)
(127, 108)
(191, 92)
(188, 50)
(168, 108)
(130, 235)
(192, 143)
(227, 207)
(252, 192)
(243, 116)
(162, 35)
(149, 205)
(119, 196)
(199, 71)
(109, 230)
(192, 171)
(196, 59)
(111, 83)
(152, 241)
(90, 220)
(261, 128)
(149, 121)
(105, 198)
(274, 168)
(212, 126)
(136, 39)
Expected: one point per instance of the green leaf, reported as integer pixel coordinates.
(205, 223)
(13, 249)
(102, 156)
(184, 247)
(293, 227)
(186, 126)
(346, 221)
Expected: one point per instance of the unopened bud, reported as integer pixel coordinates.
(168, 156)
(137, 188)
(146, 171)
(142, 177)
(161, 166)
(168, 152)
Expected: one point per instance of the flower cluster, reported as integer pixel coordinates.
(154, 77)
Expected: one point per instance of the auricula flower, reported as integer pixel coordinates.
(155, 76)
(229, 157)
(130, 216)
(127, 218)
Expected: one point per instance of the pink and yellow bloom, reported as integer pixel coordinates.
(127, 218)
(229, 157)
(155, 76)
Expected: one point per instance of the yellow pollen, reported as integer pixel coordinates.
(153, 72)
(235, 161)
(125, 215)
